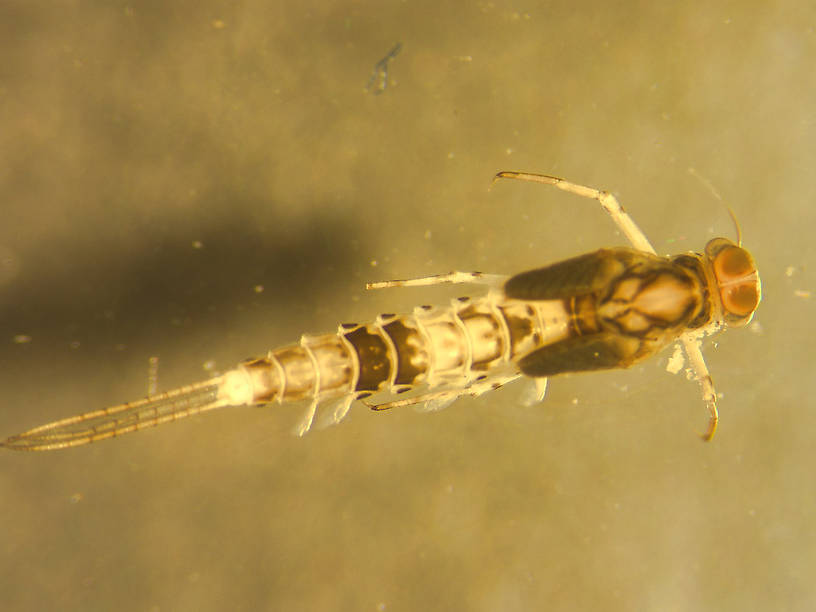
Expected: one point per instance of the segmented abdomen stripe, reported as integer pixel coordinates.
(411, 352)
(432, 346)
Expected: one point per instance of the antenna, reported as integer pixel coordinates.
(716, 194)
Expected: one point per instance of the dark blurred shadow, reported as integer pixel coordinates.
(182, 276)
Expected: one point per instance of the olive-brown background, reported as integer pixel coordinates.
(131, 131)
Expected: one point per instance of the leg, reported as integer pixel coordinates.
(691, 344)
(437, 400)
(440, 399)
(476, 278)
(609, 203)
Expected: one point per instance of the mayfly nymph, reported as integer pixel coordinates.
(607, 309)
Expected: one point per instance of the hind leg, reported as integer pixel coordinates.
(453, 278)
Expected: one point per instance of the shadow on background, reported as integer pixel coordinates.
(203, 276)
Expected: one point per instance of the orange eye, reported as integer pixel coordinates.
(732, 263)
(737, 280)
(740, 300)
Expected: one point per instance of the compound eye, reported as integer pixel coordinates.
(737, 279)
(740, 300)
(732, 263)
